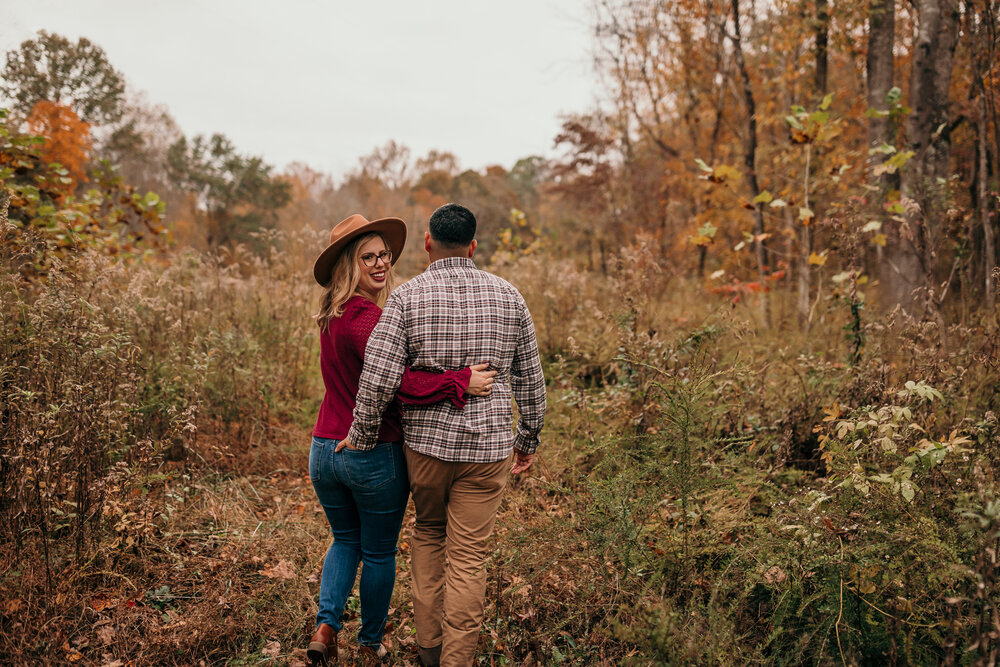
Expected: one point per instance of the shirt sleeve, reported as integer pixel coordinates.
(385, 360)
(527, 383)
(429, 387)
(417, 387)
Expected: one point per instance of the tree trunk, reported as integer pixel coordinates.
(881, 75)
(912, 246)
(989, 244)
(805, 250)
(750, 157)
(822, 31)
(881, 32)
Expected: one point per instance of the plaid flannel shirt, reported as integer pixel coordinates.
(451, 316)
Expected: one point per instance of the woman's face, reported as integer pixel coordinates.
(373, 278)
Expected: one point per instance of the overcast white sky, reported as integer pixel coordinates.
(326, 81)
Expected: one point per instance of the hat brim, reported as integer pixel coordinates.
(392, 230)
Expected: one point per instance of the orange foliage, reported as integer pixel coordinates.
(67, 139)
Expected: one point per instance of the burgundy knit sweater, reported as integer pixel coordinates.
(342, 355)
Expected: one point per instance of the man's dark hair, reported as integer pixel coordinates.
(453, 225)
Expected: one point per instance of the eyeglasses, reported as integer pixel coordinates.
(371, 259)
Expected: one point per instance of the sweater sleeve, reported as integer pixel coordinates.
(417, 387)
(428, 387)
(360, 326)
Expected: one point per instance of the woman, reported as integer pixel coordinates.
(364, 493)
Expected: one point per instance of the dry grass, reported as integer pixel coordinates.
(156, 507)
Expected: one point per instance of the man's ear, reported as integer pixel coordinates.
(427, 241)
(472, 248)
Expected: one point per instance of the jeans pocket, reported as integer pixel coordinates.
(317, 457)
(372, 469)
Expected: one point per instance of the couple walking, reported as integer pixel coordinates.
(419, 381)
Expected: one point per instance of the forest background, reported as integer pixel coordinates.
(763, 273)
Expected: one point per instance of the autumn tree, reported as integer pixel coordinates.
(388, 164)
(583, 177)
(236, 194)
(112, 217)
(67, 141)
(138, 145)
(77, 75)
(982, 25)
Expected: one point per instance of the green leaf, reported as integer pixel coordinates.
(763, 198)
(819, 117)
(894, 96)
(825, 104)
(907, 490)
(884, 149)
(708, 229)
(900, 159)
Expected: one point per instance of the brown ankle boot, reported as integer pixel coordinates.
(430, 657)
(323, 646)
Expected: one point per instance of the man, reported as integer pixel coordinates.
(451, 316)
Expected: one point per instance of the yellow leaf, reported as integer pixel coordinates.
(879, 239)
(818, 260)
(724, 172)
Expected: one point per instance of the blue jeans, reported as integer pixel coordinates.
(364, 496)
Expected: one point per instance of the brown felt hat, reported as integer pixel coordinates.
(393, 230)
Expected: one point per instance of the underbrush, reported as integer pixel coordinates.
(118, 380)
(709, 490)
(725, 493)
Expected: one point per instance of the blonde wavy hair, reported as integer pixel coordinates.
(344, 281)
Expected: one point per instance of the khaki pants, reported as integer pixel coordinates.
(456, 507)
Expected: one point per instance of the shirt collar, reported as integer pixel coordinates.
(452, 263)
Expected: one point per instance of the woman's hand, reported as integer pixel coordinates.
(481, 380)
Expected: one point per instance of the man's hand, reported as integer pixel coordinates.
(347, 443)
(522, 462)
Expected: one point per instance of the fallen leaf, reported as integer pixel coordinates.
(106, 634)
(101, 602)
(774, 575)
(526, 615)
(283, 570)
(272, 649)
